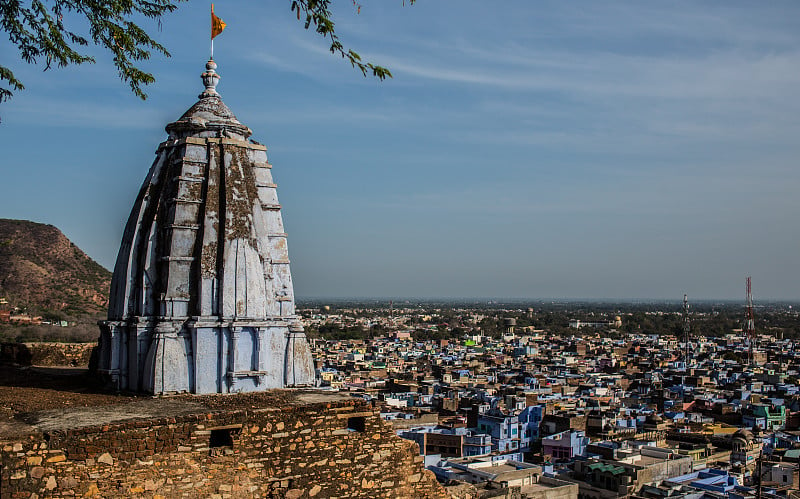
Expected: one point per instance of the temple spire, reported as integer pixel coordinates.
(201, 297)
(210, 80)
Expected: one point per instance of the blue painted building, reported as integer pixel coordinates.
(529, 420)
(504, 430)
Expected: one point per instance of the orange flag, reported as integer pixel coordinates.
(217, 24)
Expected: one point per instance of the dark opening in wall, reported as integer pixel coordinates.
(356, 423)
(222, 437)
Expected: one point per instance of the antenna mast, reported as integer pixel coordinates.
(750, 324)
(686, 329)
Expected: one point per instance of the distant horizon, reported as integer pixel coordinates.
(511, 299)
(545, 301)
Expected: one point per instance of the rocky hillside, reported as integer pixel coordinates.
(40, 269)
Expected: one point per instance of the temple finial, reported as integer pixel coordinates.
(210, 80)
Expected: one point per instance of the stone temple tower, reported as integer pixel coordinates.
(201, 297)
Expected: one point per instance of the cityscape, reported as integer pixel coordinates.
(538, 250)
(494, 399)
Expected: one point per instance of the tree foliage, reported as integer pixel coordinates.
(44, 31)
(317, 14)
(39, 30)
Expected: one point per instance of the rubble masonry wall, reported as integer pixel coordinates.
(47, 354)
(323, 450)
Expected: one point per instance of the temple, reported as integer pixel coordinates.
(201, 297)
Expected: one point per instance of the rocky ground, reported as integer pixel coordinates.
(25, 391)
(30, 389)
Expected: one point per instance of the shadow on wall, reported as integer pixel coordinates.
(49, 366)
(15, 353)
(48, 354)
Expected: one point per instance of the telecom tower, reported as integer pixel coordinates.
(750, 323)
(686, 330)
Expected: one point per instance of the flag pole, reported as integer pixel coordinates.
(217, 25)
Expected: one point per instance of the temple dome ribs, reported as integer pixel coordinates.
(202, 299)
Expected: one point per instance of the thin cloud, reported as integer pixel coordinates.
(60, 113)
(722, 76)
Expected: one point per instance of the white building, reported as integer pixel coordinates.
(201, 297)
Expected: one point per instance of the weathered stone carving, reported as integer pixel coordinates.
(201, 297)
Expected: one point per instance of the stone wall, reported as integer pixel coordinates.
(423, 419)
(47, 354)
(558, 489)
(324, 450)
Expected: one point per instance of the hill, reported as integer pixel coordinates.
(43, 271)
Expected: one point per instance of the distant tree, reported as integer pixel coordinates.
(377, 330)
(729, 355)
(431, 335)
(51, 316)
(43, 30)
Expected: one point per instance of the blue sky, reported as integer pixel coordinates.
(523, 149)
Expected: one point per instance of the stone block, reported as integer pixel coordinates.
(92, 491)
(37, 472)
(69, 482)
